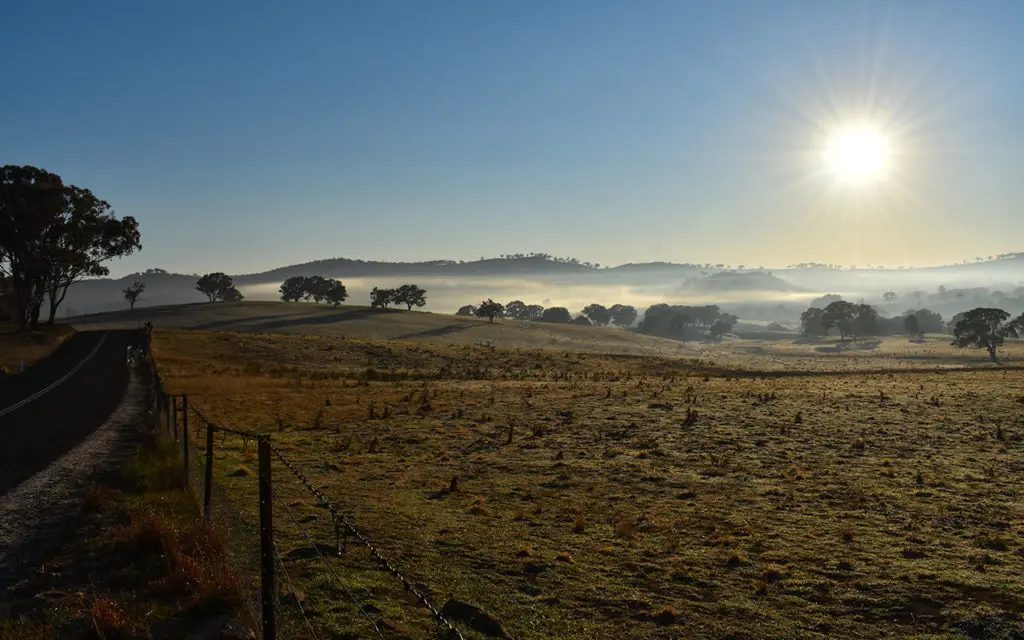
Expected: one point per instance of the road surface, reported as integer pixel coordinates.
(54, 405)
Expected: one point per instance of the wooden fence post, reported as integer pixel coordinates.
(267, 587)
(208, 486)
(184, 430)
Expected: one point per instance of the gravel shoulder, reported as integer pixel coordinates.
(38, 512)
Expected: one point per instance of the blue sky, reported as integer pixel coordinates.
(249, 135)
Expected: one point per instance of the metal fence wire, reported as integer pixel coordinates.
(268, 569)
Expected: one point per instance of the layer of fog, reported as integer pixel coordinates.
(914, 289)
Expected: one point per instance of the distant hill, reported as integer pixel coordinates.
(737, 281)
(652, 279)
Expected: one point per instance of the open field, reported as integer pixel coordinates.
(362, 323)
(618, 496)
(29, 347)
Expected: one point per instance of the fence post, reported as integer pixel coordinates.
(184, 430)
(267, 587)
(208, 486)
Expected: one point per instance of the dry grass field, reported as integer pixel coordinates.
(27, 348)
(606, 495)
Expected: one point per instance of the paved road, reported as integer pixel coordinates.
(47, 410)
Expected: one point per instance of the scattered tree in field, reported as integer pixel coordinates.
(132, 293)
(722, 326)
(985, 329)
(581, 320)
(676, 321)
(927, 321)
(218, 287)
(826, 300)
(812, 322)
(840, 314)
(598, 314)
(314, 288)
(911, 326)
(865, 321)
(52, 235)
(516, 310)
(467, 310)
(533, 312)
(293, 289)
(556, 314)
(382, 297)
(411, 296)
(889, 296)
(623, 315)
(490, 309)
(334, 292)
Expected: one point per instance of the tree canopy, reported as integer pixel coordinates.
(985, 329)
(381, 298)
(490, 309)
(598, 314)
(132, 293)
(911, 325)
(218, 287)
(556, 314)
(52, 235)
(411, 296)
(623, 315)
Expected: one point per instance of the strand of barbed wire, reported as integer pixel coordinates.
(339, 518)
(295, 592)
(334, 573)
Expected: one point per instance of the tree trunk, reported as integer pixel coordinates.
(992, 353)
(34, 315)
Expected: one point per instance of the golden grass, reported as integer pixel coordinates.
(17, 348)
(140, 560)
(577, 495)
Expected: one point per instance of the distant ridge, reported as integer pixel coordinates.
(539, 264)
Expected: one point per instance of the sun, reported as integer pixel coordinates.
(857, 154)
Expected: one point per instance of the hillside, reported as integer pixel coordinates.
(375, 324)
(738, 281)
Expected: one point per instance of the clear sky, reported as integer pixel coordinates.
(246, 135)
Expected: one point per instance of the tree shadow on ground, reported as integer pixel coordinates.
(441, 331)
(238, 323)
(330, 317)
(848, 346)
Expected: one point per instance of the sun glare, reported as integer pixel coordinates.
(857, 154)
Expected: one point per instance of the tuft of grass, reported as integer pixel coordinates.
(110, 621)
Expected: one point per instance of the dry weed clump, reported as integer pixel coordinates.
(111, 622)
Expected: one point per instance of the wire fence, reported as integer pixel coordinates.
(274, 565)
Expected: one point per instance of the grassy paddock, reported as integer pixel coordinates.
(141, 564)
(27, 347)
(602, 496)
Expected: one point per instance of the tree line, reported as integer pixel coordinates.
(315, 288)
(333, 292)
(621, 315)
(685, 321)
(52, 235)
(981, 327)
